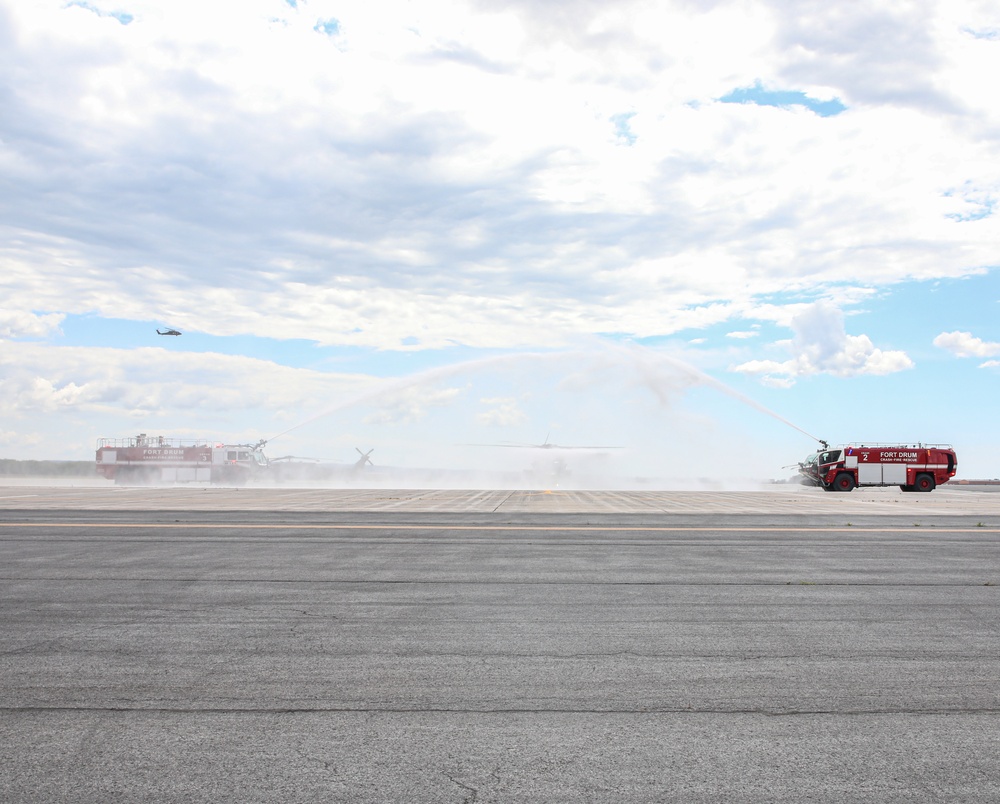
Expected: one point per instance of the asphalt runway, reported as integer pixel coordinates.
(378, 647)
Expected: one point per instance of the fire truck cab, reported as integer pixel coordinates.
(143, 460)
(918, 467)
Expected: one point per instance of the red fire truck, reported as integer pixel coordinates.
(920, 467)
(144, 460)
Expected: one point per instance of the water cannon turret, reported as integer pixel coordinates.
(825, 444)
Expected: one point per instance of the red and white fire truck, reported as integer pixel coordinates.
(920, 467)
(143, 460)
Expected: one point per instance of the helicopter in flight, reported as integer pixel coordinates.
(167, 332)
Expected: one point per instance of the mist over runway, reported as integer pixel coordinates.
(778, 499)
(257, 645)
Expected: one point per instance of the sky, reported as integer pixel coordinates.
(706, 234)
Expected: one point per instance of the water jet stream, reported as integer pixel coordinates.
(648, 365)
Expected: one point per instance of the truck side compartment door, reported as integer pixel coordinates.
(869, 473)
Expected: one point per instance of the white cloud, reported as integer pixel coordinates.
(777, 382)
(822, 346)
(23, 324)
(152, 381)
(410, 404)
(503, 412)
(452, 172)
(21, 441)
(40, 394)
(965, 344)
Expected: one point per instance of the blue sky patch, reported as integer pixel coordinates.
(622, 130)
(991, 34)
(330, 27)
(123, 17)
(92, 331)
(980, 211)
(979, 206)
(783, 98)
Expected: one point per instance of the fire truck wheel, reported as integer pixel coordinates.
(906, 488)
(843, 482)
(924, 482)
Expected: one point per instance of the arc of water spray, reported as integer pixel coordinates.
(709, 380)
(646, 362)
(389, 387)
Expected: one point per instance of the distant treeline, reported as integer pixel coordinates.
(12, 468)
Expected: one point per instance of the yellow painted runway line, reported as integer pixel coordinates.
(544, 528)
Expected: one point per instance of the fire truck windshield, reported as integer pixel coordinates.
(831, 456)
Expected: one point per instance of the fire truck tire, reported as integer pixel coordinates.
(906, 488)
(843, 482)
(924, 482)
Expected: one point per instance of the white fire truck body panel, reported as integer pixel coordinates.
(894, 473)
(869, 474)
